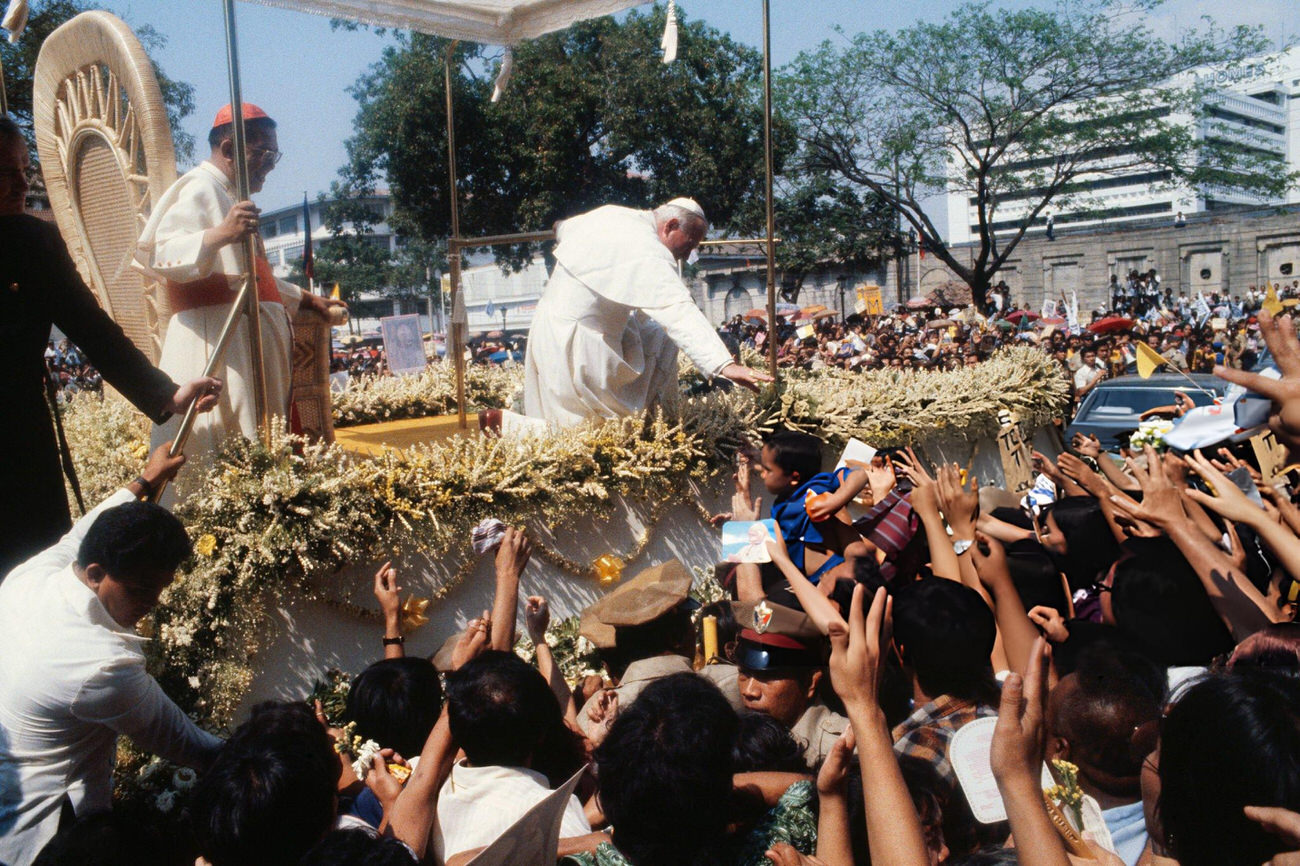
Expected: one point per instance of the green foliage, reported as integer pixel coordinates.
(19, 62)
(956, 104)
(592, 116)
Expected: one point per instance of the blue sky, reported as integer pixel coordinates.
(299, 70)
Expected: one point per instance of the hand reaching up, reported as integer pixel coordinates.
(1280, 336)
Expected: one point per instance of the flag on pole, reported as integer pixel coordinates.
(1203, 312)
(1148, 360)
(308, 260)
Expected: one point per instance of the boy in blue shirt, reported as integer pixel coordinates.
(808, 502)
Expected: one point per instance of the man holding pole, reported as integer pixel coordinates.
(194, 242)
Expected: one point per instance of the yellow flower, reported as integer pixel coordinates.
(206, 545)
(139, 450)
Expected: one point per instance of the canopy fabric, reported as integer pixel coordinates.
(494, 22)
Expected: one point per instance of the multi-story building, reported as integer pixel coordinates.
(1254, 105)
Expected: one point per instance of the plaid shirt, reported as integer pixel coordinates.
(925, 735)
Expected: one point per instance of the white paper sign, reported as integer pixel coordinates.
(968, 752)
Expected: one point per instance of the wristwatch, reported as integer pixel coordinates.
(394, 641)
(961, 545)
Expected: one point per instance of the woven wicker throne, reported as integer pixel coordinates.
(106, 155)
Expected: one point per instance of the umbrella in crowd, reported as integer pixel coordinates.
(919, 303)
(1018, 316)
(1111, 325)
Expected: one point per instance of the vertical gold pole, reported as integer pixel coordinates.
(252, 303)
(767, 180)
(457, 330)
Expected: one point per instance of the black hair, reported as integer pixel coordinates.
(135, 541)
(254, 127)
(357, 848)
(765, 745)
(270, 794)
(1090, 546)
(1116, 692)
(1036, 578)
(666, 774)
(797, 453)
(396, 702)
(503, 713)
(1230, 741)
(103, 839)
(1159, 601)
(946, 632)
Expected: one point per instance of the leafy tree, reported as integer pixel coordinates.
(591, 117)
(19, 61)
(821, 222)
(1014, 109)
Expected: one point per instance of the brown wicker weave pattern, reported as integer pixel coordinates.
(102, 196)
(106, 153)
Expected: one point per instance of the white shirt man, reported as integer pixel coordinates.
(604, 339)
(478, 804)
(1088, 374)
(72, 678)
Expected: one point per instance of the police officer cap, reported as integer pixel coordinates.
(774, 637)
(642, 599)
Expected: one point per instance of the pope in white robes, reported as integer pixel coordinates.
(604, 338)
(193, 242)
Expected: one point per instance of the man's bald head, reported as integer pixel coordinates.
(1094, 713)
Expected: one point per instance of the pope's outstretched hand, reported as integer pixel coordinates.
(745, 376)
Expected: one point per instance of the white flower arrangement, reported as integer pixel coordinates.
(1151, 433)
(276, 521)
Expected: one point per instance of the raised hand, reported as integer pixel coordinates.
(387, 592)
(858, 648)
(1280, 336)
(1162, 503)
(537, 617)
(1087, 446)
(1020, 735)
(1228, 501)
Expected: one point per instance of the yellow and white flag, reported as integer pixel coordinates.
(1148, 360)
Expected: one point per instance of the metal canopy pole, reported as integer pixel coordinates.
(771, 214)
(246, 302)
(457, 330)
(251, 300)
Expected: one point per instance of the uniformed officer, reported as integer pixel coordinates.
(781, 657)
(645, 632)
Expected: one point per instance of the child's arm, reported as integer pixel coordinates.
(824, 506)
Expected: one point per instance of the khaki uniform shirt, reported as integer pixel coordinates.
(818, 728)
(643, 672)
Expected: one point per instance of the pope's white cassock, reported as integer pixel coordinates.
(605, 335)
(201, 289)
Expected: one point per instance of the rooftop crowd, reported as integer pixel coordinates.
(1131, 634)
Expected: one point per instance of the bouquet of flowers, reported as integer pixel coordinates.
(1151, 433)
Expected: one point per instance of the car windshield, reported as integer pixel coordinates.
(1134, 401)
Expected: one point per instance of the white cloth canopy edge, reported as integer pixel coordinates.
(493, 22)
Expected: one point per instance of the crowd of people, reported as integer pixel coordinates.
(69, 372)
(1131, 637)
(1194, 335)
